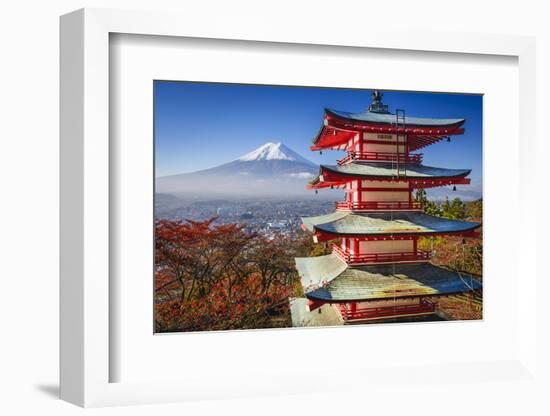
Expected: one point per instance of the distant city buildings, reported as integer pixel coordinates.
(265, 217)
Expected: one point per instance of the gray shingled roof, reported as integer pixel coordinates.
(322, 269)
(379, 281)
(370, 170)
(389, 118)
(384, 223)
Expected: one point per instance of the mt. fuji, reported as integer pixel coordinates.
(272, 170)
(274, 151)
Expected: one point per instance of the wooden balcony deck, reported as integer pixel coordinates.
(379, 205)
(381, 157)
(370, 258)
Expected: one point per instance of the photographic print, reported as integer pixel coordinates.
(289, 206)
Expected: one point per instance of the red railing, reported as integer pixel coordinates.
(383, 205)
(349, 258)
(381, 157)
(425, 306)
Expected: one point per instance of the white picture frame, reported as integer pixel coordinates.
(86, 356)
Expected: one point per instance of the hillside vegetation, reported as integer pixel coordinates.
(464, 255)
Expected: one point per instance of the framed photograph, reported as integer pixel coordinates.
(272, 239)
(265, 204)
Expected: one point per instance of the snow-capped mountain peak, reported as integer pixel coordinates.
(273, 151)
(272, 170)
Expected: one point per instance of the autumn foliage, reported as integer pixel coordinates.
(219, 277)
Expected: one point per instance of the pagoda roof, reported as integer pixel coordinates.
(325, 279)
(340, 126)
(316, 270)
(389, 118)
(385, 223)
(383, 170)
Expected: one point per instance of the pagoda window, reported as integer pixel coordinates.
(380, 137)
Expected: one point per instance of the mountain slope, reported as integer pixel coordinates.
(271, 159)
(272, 170)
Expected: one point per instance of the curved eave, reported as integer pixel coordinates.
(333, 176)
(321, 181)
(325, 170)
(385, 224)
(328, 138)
(317, 183)
(410, 122)
(320, 296)
(324, 235)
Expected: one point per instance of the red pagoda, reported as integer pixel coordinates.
(376, 270)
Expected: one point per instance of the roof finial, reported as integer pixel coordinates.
(376, 106)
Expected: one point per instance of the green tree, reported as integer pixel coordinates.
(474, 209)
(428, 206)
(420, 196)
(456, 209)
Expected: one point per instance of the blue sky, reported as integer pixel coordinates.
(201, 125)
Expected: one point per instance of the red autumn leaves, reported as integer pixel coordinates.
(215, 277)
